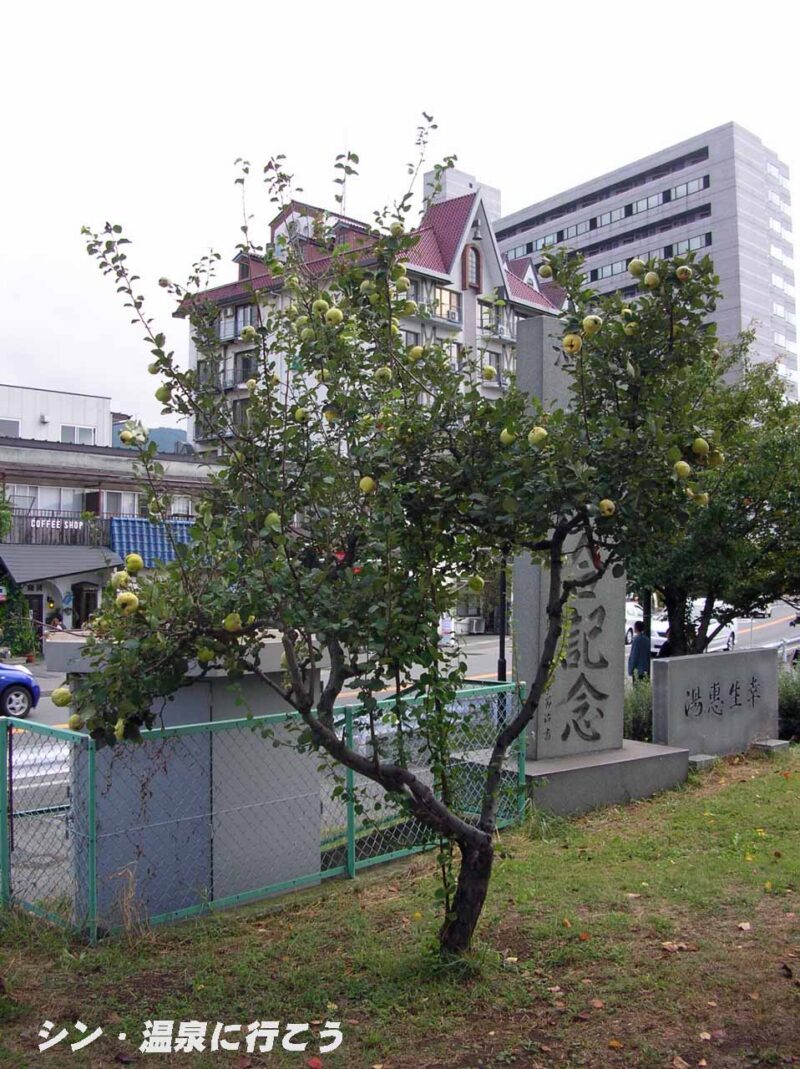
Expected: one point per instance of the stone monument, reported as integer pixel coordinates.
(717, 703)
(577, 758)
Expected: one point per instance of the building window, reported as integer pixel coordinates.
(205, 373)
(546, 242)
(699, 241)
(73, 499)
(227, 324)
(181, 507)
(773, 170)
(244, 317)
(489, 316)
(410, 338)
(245, 366)
(455, 352)
(21, 496)
(9, 428)
(577, 229)
(239, 411)
(447, 304)
(72, 435)
(494, 360)
(119, 503)
(472, 271)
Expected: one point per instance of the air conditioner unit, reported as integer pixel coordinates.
(453, 316)
(43, 418)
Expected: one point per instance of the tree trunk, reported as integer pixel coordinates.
(676, 613)
(456, 933)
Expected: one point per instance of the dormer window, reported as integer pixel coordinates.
(472, 268)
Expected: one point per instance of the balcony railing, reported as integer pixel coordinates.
(47, 527)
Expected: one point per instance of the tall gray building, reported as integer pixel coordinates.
(722, 193)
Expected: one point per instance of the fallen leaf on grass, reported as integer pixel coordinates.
(678, 1063)
(567, 923)
(597, 1003)
(615, 1044)
(673, 948)
(754, 995)
(313, 1063)
(744, 926)
(702, 1063)
(584, 937)
(630, 894)
(711, 1003)
(705, 1036)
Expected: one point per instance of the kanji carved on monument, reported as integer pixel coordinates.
(716, 703)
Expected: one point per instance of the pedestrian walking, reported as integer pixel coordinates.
(639, 657)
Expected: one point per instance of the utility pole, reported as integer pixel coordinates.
(501, 615)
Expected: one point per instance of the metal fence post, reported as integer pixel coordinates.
(92, 841)
(5, 851)
(521, 778)
(351, 802)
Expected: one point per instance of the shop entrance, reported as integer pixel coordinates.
(35, 603)
(84, 603)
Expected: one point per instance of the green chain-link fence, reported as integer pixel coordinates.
(209, 815)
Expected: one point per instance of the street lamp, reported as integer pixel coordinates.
(501, 615)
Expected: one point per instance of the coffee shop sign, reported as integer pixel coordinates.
(56, 523)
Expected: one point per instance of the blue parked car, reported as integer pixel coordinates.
(19, 691)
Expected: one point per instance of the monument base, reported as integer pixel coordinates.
(576, 784)
(702, 762)
(770, 745)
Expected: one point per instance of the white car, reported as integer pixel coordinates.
(724, 639)
(633, 612)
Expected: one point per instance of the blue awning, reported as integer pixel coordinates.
(152, 541)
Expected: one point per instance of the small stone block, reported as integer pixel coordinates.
(701, 762)
(770, 745)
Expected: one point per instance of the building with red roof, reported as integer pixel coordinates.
(468, 297)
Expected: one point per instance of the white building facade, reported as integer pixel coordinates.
(54, 416)
(456, 274)
(722, 193)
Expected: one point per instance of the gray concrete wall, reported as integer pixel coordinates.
(716, 703)
(188, 819)
(267, 799)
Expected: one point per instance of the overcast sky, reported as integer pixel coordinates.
(136, 112)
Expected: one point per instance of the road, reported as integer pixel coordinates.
(481, 652)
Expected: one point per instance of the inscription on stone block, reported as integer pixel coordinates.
(582, 710)
(716, 703)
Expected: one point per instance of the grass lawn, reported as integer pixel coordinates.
(659, 935)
